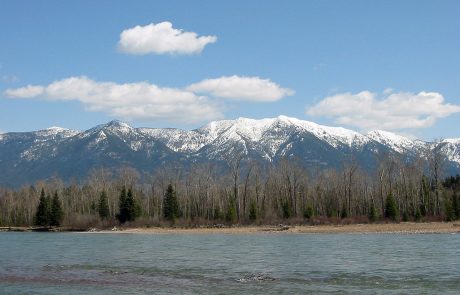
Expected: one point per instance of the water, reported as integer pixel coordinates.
(79, 263)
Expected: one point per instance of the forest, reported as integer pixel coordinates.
(246, 193)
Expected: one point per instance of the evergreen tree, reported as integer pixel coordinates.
(122, 214)
(253, 211)
(456, 205)
(103, 208)
(170, 204)
(42, 217)
(344, 213)
(217, 213)
(418, 215)
(133, 210)
(287, 210)
(405, 216)
(449, 211)
(129, 208)
(391, 210)
(231, 211)
(308, 212)
(56, 211)
(372, 214)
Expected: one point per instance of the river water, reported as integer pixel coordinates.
(87, 263)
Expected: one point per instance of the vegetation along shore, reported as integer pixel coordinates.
(245, 196)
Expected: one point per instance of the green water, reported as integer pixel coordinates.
(78, 263)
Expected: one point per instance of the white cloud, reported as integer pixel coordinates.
(242, 88)
(129, 101)
(162, 38)
(390, 111)
(25, 92)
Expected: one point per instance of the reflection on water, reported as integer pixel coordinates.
(70, 263)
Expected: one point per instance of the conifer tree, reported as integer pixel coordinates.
(253, 211)
(42, 217)
(132, 208)
(56, 211)
(287, 210)
(103, 207)
(418, 215)
(308, 212)
(449, 211)
(231, 211)
(405, 216)
(456, 205)
(391, 210)
(122, 214)
(372, 214)
(170, 204)
(344, 213)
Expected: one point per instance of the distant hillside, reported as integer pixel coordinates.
(29, 156)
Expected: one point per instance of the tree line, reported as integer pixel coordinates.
(247, 192)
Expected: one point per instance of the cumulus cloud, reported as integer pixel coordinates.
(389, 111)
(129, 101)
(242, 88)
(25, 92)
(162, 38)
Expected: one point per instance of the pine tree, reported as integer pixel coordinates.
(253, 211)
(170, 204)
(372, 214)
(287, 210)
(456, 205)
(103, 208)
(449, 211)
(42, 217)
(122, 214)
(405, 216)
(308, 212)
(344, 213)
(231, 211)
(391, 210)
(418, 215)
(217, 213)
(56, 211)
(133, 210)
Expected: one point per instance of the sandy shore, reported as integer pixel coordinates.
(402, 228)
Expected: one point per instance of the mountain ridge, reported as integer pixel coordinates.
(28, 156)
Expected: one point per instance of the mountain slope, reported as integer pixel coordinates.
(29, 156)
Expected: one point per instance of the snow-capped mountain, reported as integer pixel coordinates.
(29, 156)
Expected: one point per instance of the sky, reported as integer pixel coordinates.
(363, 65)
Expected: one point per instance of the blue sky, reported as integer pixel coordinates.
(361, 64)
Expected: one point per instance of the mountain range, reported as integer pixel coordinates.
(29, 156)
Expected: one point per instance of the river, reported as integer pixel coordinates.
(119, 263)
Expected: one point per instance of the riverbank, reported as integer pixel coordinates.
(403, 228)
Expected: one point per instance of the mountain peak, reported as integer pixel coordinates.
(117, 144)
(117, 123)
(395, 141)
(56, 131)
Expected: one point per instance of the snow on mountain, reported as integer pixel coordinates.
(54, 131)
(176, 139)
(58, 150)
(44, 141)
(271, 133)
(451, 148)
(335, 136)
(396, 142)
(263, 136)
